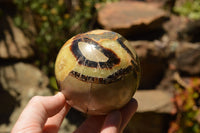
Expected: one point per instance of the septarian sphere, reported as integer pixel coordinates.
(97, 71)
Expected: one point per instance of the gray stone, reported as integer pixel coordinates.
(153, 62)
(175, 26)
(191, 31)
(183, 29)
(18, 84)
(19, 77)
(188, 58)
(13, 43)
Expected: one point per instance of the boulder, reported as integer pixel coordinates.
(131, 18)
(174, 26)
(19, 77)
(191, 31)
(13, 43)
(19, 82)
(188, 58)
(183, 29)
(157, 101)
(167, 4)
(153, 60)
(153, 113)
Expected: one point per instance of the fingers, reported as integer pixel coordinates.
(112, 122)
(116, 121)
(37, 111)
(92, 125)
(53, 123)
(127, 112)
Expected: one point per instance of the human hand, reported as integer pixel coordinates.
(44, 114)
(114, 122)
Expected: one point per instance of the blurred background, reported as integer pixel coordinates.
(165, 34)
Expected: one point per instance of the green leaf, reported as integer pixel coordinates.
(196, 128)
(48, 37)
(195, 95)
(53, 83)
(18, 20)
(34, 6)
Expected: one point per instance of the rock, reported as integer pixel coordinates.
(183, 29)
(149, 122)
(153, 113)
(157, 101)
(131, 18)
(167, 4)
(174, 26)
(125, 14)
(191, 31)
(19, 77)
(188, 58)
(164, 3)
(18, 84)
(153, 60)
(13, 43)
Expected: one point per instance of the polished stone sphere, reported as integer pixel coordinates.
(97, 71)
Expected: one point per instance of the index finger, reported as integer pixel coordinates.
(127, 112)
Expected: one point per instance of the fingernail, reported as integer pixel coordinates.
(59, 94)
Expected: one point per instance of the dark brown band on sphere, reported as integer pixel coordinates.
(133, 61)
(118, 75)
(113, 59)
(121, 42)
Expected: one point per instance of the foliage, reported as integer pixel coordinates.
(187, 101)
(190, 8)
(55, 21)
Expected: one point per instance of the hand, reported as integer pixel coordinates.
(46, 113)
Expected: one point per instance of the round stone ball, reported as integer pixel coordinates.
(97, 71)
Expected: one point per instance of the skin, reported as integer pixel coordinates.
(44, 114)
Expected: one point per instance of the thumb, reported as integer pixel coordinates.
(37, 112)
